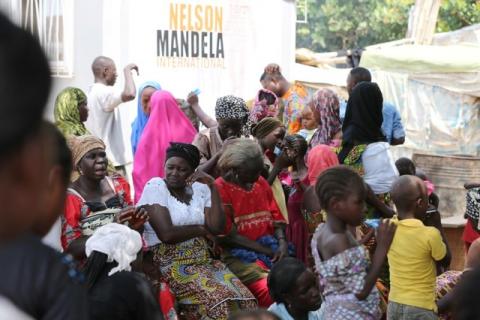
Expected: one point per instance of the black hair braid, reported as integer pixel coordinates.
(337, 182)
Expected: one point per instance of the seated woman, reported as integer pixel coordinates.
(255, 236)
(94, 199)
(71, 112)
(144, 108)
(183, 210)
(113, 291)
(294, 288)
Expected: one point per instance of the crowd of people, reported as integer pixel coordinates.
(288, 206)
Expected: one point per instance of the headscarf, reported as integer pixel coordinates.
(320, 158)
(167, 123)
(265, 127)
(67, 114)
(262, 109)
(141, 120)
(363, 117)
(231, 107)
(120, 243)
(326, 103)
(185, 151)
(80, 146)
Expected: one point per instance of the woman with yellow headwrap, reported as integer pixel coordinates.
(71, 112)
(94, 199)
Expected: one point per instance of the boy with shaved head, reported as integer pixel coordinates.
(413, 255)
(103, 100)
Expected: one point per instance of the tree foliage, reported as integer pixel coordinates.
(347, 24)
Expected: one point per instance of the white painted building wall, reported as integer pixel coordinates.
(255, 34)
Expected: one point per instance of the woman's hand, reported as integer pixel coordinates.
(367, 236)
(136, 217)
(124, 215)
(201, 177)
(192, 99)
(216, 248)
(282, 251)
(283, 161)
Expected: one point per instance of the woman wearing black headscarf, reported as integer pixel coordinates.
(364, 146)
(184, 208)
(363, 118)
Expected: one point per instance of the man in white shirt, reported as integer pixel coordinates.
(103, 100)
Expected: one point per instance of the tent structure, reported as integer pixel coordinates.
(437, 90)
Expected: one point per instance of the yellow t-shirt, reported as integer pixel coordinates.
(412, 256)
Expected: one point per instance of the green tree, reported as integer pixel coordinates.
(347, 24)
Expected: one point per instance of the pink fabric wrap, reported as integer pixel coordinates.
(430, 187)
(320, 158)
(167, 123)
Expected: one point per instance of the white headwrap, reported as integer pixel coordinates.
(120, 243)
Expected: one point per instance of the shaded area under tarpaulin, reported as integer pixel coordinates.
(436, 120)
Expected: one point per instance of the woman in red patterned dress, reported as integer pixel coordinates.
(254, 234)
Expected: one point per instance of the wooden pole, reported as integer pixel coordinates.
(423, 21)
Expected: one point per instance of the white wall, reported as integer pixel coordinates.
(88, 38)
(255, 32)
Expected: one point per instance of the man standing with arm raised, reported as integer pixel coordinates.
(103, 100)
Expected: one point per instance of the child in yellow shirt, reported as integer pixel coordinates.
(413, 255)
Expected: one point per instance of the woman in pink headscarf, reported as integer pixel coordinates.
(167, 123)
(319, 159)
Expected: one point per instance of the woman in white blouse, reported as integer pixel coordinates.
(185, 208)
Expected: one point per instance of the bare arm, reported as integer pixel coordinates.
(207, 121)
(214, 216)
(372, 199)
(209, 165)
(435, 221)
(273, 174)
(129, 91)
(166, 231)
(385, 235)
(282, 251)
(282, 161)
